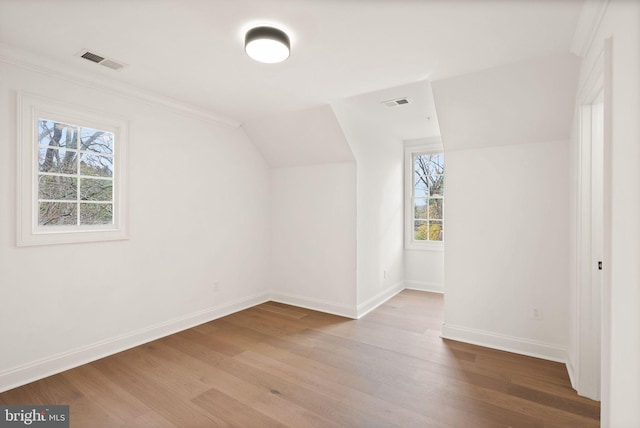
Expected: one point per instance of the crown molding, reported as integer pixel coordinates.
(588, 24)
(49, 67)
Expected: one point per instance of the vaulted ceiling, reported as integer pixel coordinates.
(192, 50)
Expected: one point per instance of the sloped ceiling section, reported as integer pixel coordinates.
(416, 118)
(306, 137)
(524, 102)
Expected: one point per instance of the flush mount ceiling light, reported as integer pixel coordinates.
(267, 44)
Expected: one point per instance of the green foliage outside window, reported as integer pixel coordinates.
(428, 197)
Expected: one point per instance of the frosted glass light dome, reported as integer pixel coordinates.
(267, 44)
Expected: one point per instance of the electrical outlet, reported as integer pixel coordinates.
(216, 285)
(535, 314)
(384, 274)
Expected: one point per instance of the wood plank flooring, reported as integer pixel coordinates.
(276, 365)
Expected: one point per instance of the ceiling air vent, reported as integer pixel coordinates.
(92, 57)
(99, 59)
(397, 102)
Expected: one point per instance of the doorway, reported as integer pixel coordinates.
(590, 249)
(593, 238)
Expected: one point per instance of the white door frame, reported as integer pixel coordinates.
(593, 230)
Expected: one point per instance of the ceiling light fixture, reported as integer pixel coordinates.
(267, 44)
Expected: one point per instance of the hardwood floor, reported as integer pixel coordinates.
(276, 365)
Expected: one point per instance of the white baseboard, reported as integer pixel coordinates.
(35, 370)
(365, 307)
(315, 304)
(571, 373)
(516, 345)
(432, 287)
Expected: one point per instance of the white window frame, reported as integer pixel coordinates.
(29, 232)
(427, 145)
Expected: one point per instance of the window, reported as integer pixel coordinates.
(424, 196)
(71, 174)
(75, 174)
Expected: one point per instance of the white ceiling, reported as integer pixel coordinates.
(416, 119)
(525, 102)
(192, 50)
(305, 137)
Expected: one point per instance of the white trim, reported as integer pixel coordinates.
(26, 60)
(571, 372)
(431, 287)
(593, 81)
(30, 109)
(412, 245)
(588, 24)
(422, 145)
(320, 305)
(591, 285)
(367, 306)
(532, 348)
(424, 246)
(35, 370)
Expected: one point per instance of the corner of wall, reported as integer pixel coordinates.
(340, 309)
(369, 305)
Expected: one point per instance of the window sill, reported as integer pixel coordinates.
(424, 246)
(28, 238)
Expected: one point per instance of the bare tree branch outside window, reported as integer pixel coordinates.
(428, 197)
(75, 178)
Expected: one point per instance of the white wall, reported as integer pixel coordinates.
(198, 206)
(621, 331)
(505, 133)
(506, 247)
(379, 158)
(424, 270)
(312, 254)
(312, 246)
